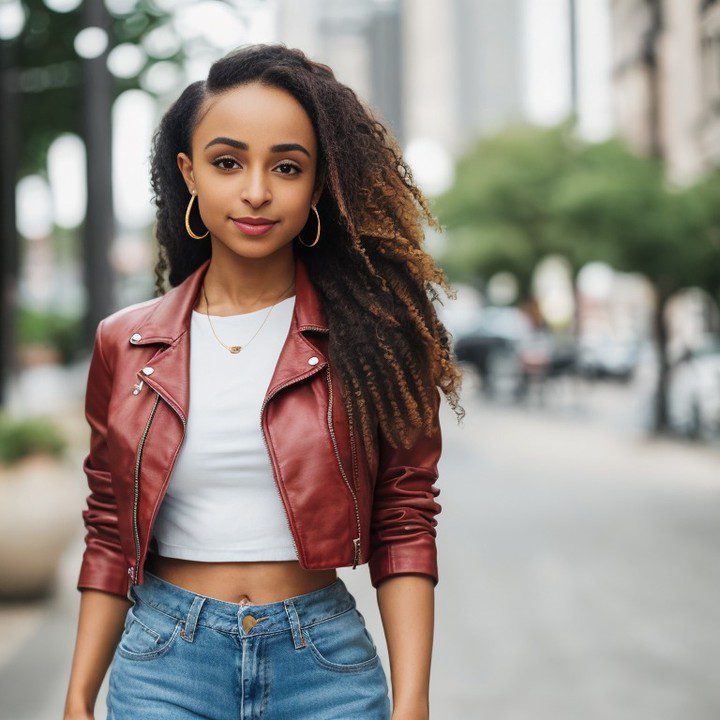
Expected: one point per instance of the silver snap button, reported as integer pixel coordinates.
(148, 370)
(313, 360)
(136, 338)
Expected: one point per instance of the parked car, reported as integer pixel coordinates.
(490, 346)
(508, 352)
(694, 392)
(604, 356)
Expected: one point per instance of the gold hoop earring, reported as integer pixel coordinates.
(317, 234)
(187, 220)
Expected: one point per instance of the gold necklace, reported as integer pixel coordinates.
(237, 348)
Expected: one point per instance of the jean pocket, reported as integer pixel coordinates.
(342, 643)
(148, 633)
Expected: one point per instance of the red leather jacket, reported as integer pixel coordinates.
(342, 509)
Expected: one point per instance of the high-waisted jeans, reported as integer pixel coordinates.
(183, 655)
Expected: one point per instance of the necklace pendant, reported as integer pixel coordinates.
(235, 349)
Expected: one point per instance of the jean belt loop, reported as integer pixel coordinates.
(295, 626)
(188, 632)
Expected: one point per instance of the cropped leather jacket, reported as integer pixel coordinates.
(343, 509)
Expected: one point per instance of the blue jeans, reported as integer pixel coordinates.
(184, 655)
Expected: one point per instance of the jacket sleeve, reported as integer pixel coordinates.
(103, 564)
(402, 529)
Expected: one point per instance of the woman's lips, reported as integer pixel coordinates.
(251, 229)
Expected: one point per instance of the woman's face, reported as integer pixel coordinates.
(254, 156)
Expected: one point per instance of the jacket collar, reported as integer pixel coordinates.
(171, 315)
(168, 322)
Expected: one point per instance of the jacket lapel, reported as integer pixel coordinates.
(168, 323)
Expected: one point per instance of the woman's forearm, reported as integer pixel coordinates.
(100, 626)
(407, 609)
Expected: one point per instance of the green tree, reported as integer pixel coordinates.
(528, 192)
(499, 207)
(620, 209)
(50, 72)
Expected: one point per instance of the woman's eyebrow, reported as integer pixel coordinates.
(240, 145)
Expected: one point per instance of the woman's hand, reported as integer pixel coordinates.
(420, 711)
(78, 715)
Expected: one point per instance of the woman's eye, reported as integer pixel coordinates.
(290, 165)
(221, 160)
(293, 169)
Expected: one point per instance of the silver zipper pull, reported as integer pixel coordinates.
(138, 387)
(356, 556)
(131, 582)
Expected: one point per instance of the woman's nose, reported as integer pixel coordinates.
(255, 189)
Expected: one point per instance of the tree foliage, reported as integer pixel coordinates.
(528, 192)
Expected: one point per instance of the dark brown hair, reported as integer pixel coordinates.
(376, 281)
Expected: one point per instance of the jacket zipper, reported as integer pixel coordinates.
(133, 572)
(353, 451)
(134, 575)
(356, 541)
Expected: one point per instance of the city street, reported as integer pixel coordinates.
(579, 575)
(579, 570)
(529, 189)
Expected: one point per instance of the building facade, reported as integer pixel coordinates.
(666, 81)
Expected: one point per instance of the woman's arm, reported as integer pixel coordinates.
(403, 563)
(103, 565)
(100, 625)
(103, 577)
(407, 609)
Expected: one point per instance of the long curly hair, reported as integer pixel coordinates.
(387, 344)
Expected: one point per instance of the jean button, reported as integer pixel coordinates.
(248, 623)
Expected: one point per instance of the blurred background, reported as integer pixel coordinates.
(571, 150)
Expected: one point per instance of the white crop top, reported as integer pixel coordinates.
(222, 503)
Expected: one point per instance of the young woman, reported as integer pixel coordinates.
(270, 418)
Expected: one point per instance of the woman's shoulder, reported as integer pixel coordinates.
(128, 315)
(119, 325)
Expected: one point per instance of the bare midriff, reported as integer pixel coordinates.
(249, 583)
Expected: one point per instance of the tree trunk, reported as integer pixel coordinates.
(663, 291)
(9, 241)
(98, 230)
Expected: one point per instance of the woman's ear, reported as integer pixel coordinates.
(185, 165)
(319, 186)
(318, 191)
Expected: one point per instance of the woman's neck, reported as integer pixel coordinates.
(235, 284)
